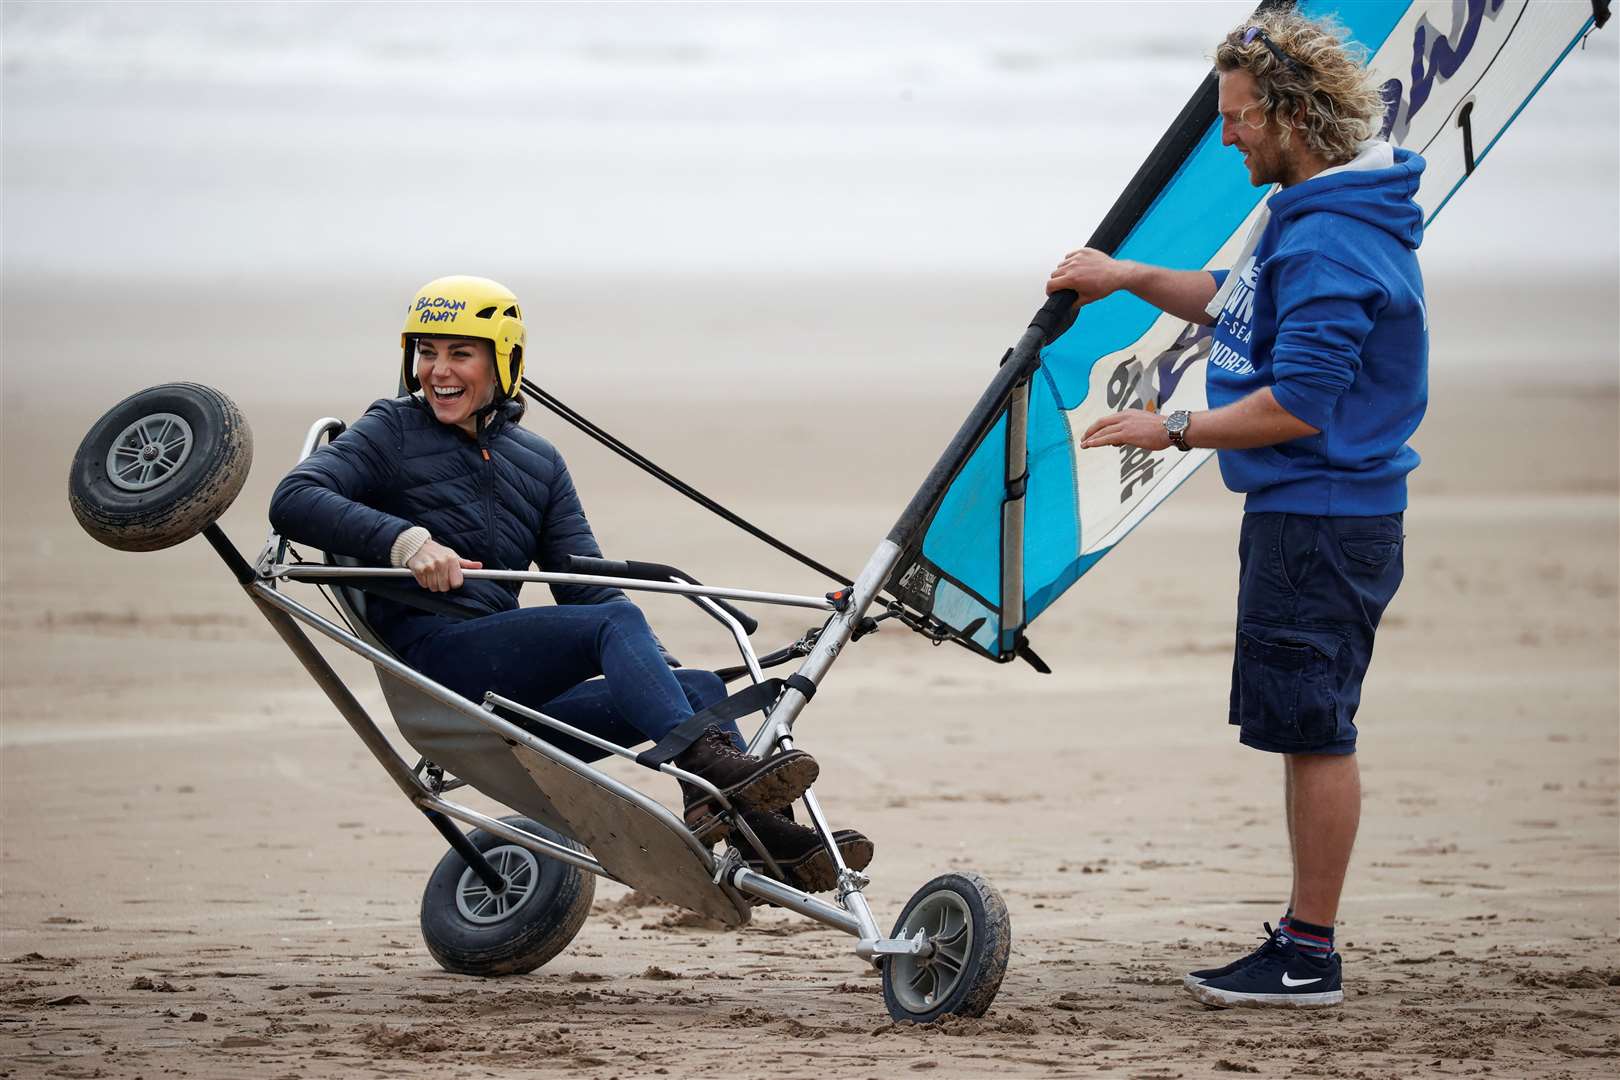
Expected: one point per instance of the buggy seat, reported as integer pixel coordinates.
(447, 738)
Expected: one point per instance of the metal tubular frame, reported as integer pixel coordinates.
(496, 827)
(738, 634)
(336, 575)
(747, 881)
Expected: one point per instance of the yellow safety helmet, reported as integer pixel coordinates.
(470, 307)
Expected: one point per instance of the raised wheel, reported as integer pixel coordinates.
(160, 467)
(965, 920)
(473, 931)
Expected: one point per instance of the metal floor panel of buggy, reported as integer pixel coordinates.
(638, 847)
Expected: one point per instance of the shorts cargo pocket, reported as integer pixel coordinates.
(1373, 551)
(1286, 686)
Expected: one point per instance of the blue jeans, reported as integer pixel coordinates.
(549, 658)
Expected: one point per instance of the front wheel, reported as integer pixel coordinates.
(473, 931)
(160, 467)
(966, 921)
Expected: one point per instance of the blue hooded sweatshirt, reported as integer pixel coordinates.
(1329, 314)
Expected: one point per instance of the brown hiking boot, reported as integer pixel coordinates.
(748, 783)
(798, 850)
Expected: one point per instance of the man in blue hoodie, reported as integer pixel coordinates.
(1317, 378)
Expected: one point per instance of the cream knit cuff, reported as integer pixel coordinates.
(407, 544)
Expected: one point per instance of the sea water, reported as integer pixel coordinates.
(641, 141)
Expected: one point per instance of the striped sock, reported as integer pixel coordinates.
(1308, 938)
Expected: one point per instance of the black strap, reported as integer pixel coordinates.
(769, 660)
(748, 700)
(1600, 13)
(801, 684)
(1465, 121)
(641, 461)
(420, 599)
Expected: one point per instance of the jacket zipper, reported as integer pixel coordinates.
(488, 483)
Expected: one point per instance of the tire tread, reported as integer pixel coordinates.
(162, 522)
(536, 945)
(992, 948)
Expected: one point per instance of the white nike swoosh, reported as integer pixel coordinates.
(1298, 982)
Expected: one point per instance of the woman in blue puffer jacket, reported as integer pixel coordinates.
(443, 480)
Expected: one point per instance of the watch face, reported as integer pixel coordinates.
(1176, 423)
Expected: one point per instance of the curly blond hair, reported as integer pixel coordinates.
(1328, 97)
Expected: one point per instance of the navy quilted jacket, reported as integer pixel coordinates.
(397, 466)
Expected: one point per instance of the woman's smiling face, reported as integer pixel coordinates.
(457, 377)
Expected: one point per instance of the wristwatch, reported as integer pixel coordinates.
(1175, 425)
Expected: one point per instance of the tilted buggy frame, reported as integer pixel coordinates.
(630, 837)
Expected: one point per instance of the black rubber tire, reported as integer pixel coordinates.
(986, 959)
(179, 505)
(530, 935)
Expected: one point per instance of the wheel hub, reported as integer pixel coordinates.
(922, 982)
(149, 451)
(478, 903)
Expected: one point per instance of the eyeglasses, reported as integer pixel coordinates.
(1255, 33)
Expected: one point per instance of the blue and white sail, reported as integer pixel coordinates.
(1026, 514)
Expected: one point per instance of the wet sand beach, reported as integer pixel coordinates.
(202, 872)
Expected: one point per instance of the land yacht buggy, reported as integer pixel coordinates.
(164, 464)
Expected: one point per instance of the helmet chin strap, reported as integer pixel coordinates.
(483, 413)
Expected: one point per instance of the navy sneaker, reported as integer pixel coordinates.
(1284, 978)
(1193, 978)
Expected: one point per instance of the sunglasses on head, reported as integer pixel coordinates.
(1256, 33)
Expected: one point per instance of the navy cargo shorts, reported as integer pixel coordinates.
(1310, 593)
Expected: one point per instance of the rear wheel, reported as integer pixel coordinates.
(472, 930)
(160, 467)
(965, 921)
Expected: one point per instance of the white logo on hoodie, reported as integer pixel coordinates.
(1232, 326)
